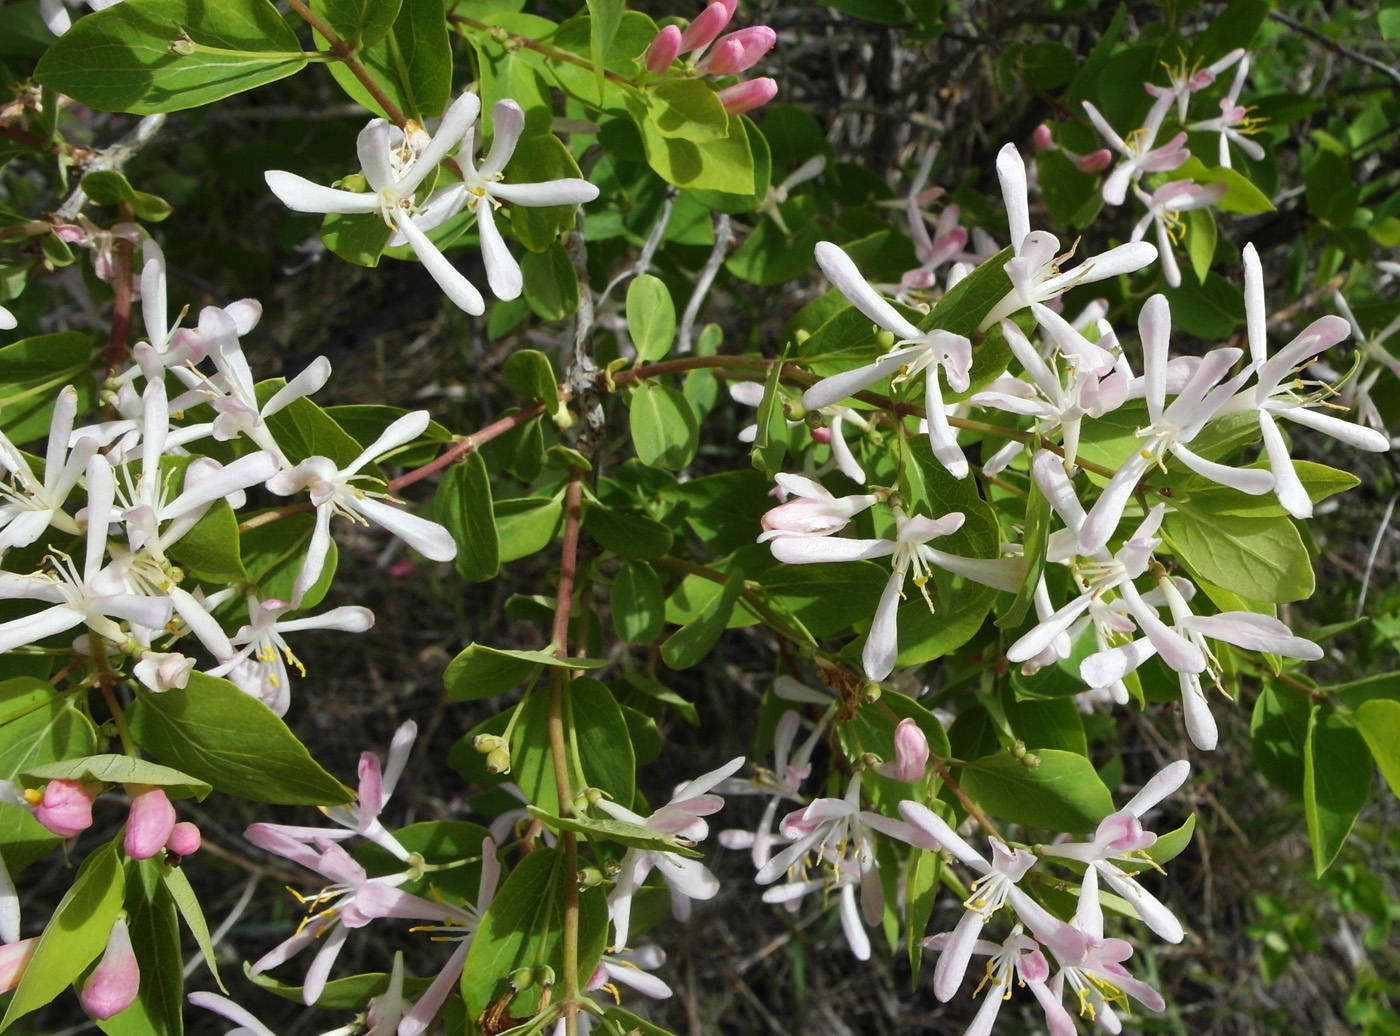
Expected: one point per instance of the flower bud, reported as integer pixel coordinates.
(910, 753)
(748, 95)
(498, 760)
(1042, 138)
(663, 50)
(14, 958)
(184, 839)
(150, 822)
(487, 743)
(821, 435)
(114, 983)
(709, 24)
(738, 51)
(66, 808)
(1095, 161)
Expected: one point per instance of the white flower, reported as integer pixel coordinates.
(1018, 953)
(916, 352)
(1163, 208)
(1188, 79)
(7, 320)
(815, 512)
(34, 505)
(1139, 156)
(333, 492)
(1035, 271)
(1234, 124)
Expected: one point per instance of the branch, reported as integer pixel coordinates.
(346, 53)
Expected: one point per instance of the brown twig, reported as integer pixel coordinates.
(345, 53)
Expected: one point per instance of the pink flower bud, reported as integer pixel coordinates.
(150, 822)
(748, 95)
(663, 50)
(14, 958)
(709, 24)
(821, 435)
(1042, 138)
(184, 839)
(66, 808)
(1095, 161)
(738, 51)
(910, 753)
(114, 983)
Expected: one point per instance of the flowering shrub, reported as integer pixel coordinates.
(998, 491)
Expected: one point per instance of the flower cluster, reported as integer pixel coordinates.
(711, 54)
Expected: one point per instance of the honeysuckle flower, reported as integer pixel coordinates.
(102, 241)
(1096, 573)
(1248, 630)
(1092, 965)
(814, 512)
(150, 821)
(688, 879)
(1035, 269)
(333, 491)
(916, 352)
(1234, 123)
(161, 671)
(839, 836)
(1171, 427)
(995, 888)
(631, 968)
(259, 668)
(1120, 838)
(1188, 79)
(32, 504)
(1272, 399)
(395, 168)
(1163, 208)
(482, 191)
(65, 807)
(909, 550)
(784, 781)
(114, 983)
(56, 15)
(1020, 955)
(1139, 156)
(910, 753)
(353, 900)
(1375, 358)
(93, 597)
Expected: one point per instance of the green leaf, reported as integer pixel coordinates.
(826, 597)
(551, 282)
(524, 926)
(54, 730)
(215, 732)
(1260, 558)
(109, 186)
(664, 429)
(537, 159)
(304, 429)
(212, 551)
(75, 935)
(44, 357)
(638, 604)
(526, 526)
(1048, 65)
(122, 59)
(770, 439)
(22, 695)
(484, 672)
(634, 836)
(723, 164)
(273, 554)
(1319, 480)
(412, 64)
(1063, 793)
(651, 317)
(1379, 723)
(530, 374)
(921, 889)
(360, 23)
(632, 536)
(155, 936)
(121, 769)
(349, 993)
(1336, 782)
(600, 747)
(606, 15)
(881, 12)
(1035, 537)
(1278, 731)
(629, 1023)
(1200, 241)
(1241, 196)
(360, 238)
(187, 902)
(687, 109)
(463, 506)
(693, 641)
(1331, 191)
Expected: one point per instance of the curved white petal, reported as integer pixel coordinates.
(301, 195)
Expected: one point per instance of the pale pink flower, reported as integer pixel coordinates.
(66, 807)
(1139, 156)
(1018, 954)
(114, 983)
(748, 95)
(1164, 206)
(1234, 123)
(814, 512)
(1188, 79)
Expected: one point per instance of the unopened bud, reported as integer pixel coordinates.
(185, 839)
(1018, 750)
(14, 958)
(65, 807)
(1030, 760)
(663, 50)
(821, 435)
(707, 25)
(910, 753)
(487, 743)
(748, 95)
(150, 822)
(1042, 138)
(884, 339)
(589, 877)
(738, 51)
(522, 978)
(498, 760)
(1095, 161)
(870, 693)
(114, 983)
(182, 45)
